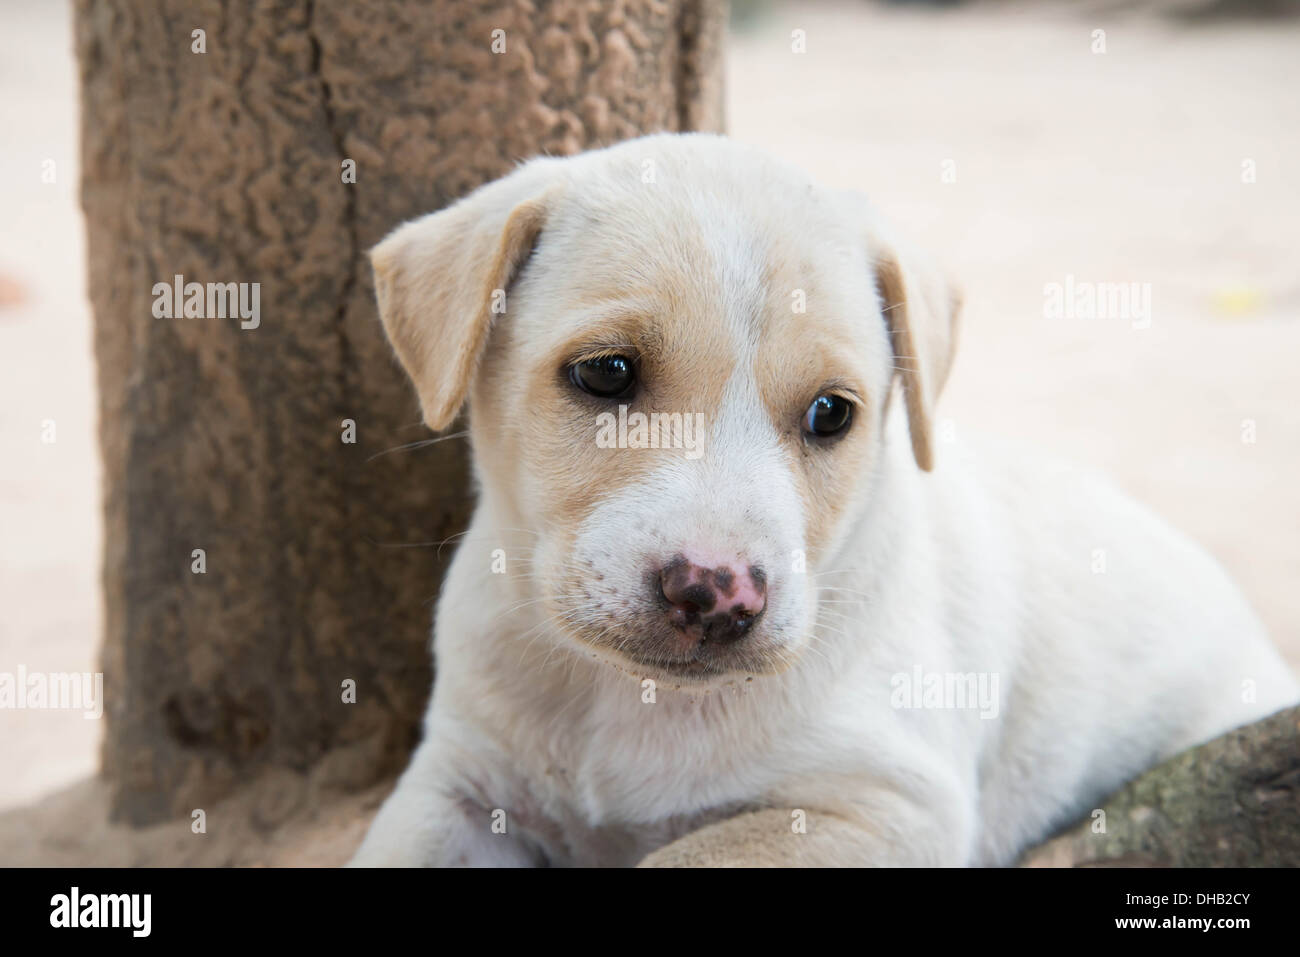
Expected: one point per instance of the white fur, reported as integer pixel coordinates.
(982, 566)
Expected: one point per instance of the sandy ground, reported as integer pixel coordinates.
(50, 525)
(1117, 167)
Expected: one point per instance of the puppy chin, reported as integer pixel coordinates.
(667, 658)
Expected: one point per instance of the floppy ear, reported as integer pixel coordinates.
(436, 279)
(921, 310)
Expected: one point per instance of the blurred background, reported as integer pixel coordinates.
(1012, 140)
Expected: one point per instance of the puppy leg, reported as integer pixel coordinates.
(428, 822)
(788, 837)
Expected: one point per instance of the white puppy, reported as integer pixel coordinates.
(784, 633)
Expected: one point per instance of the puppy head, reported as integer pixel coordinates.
(678, 355)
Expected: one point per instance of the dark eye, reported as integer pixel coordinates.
(606, 376)
(828, 415)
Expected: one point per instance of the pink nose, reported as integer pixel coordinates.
(712, 602)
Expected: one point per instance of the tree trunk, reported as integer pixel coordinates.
(221, 157)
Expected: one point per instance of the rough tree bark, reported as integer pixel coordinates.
(219, 157)
(1232, 802)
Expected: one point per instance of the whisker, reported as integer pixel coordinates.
(418, 445)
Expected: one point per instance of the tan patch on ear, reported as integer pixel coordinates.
(447, 394)
(435, 281)
(920, 310)
(907, 359)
